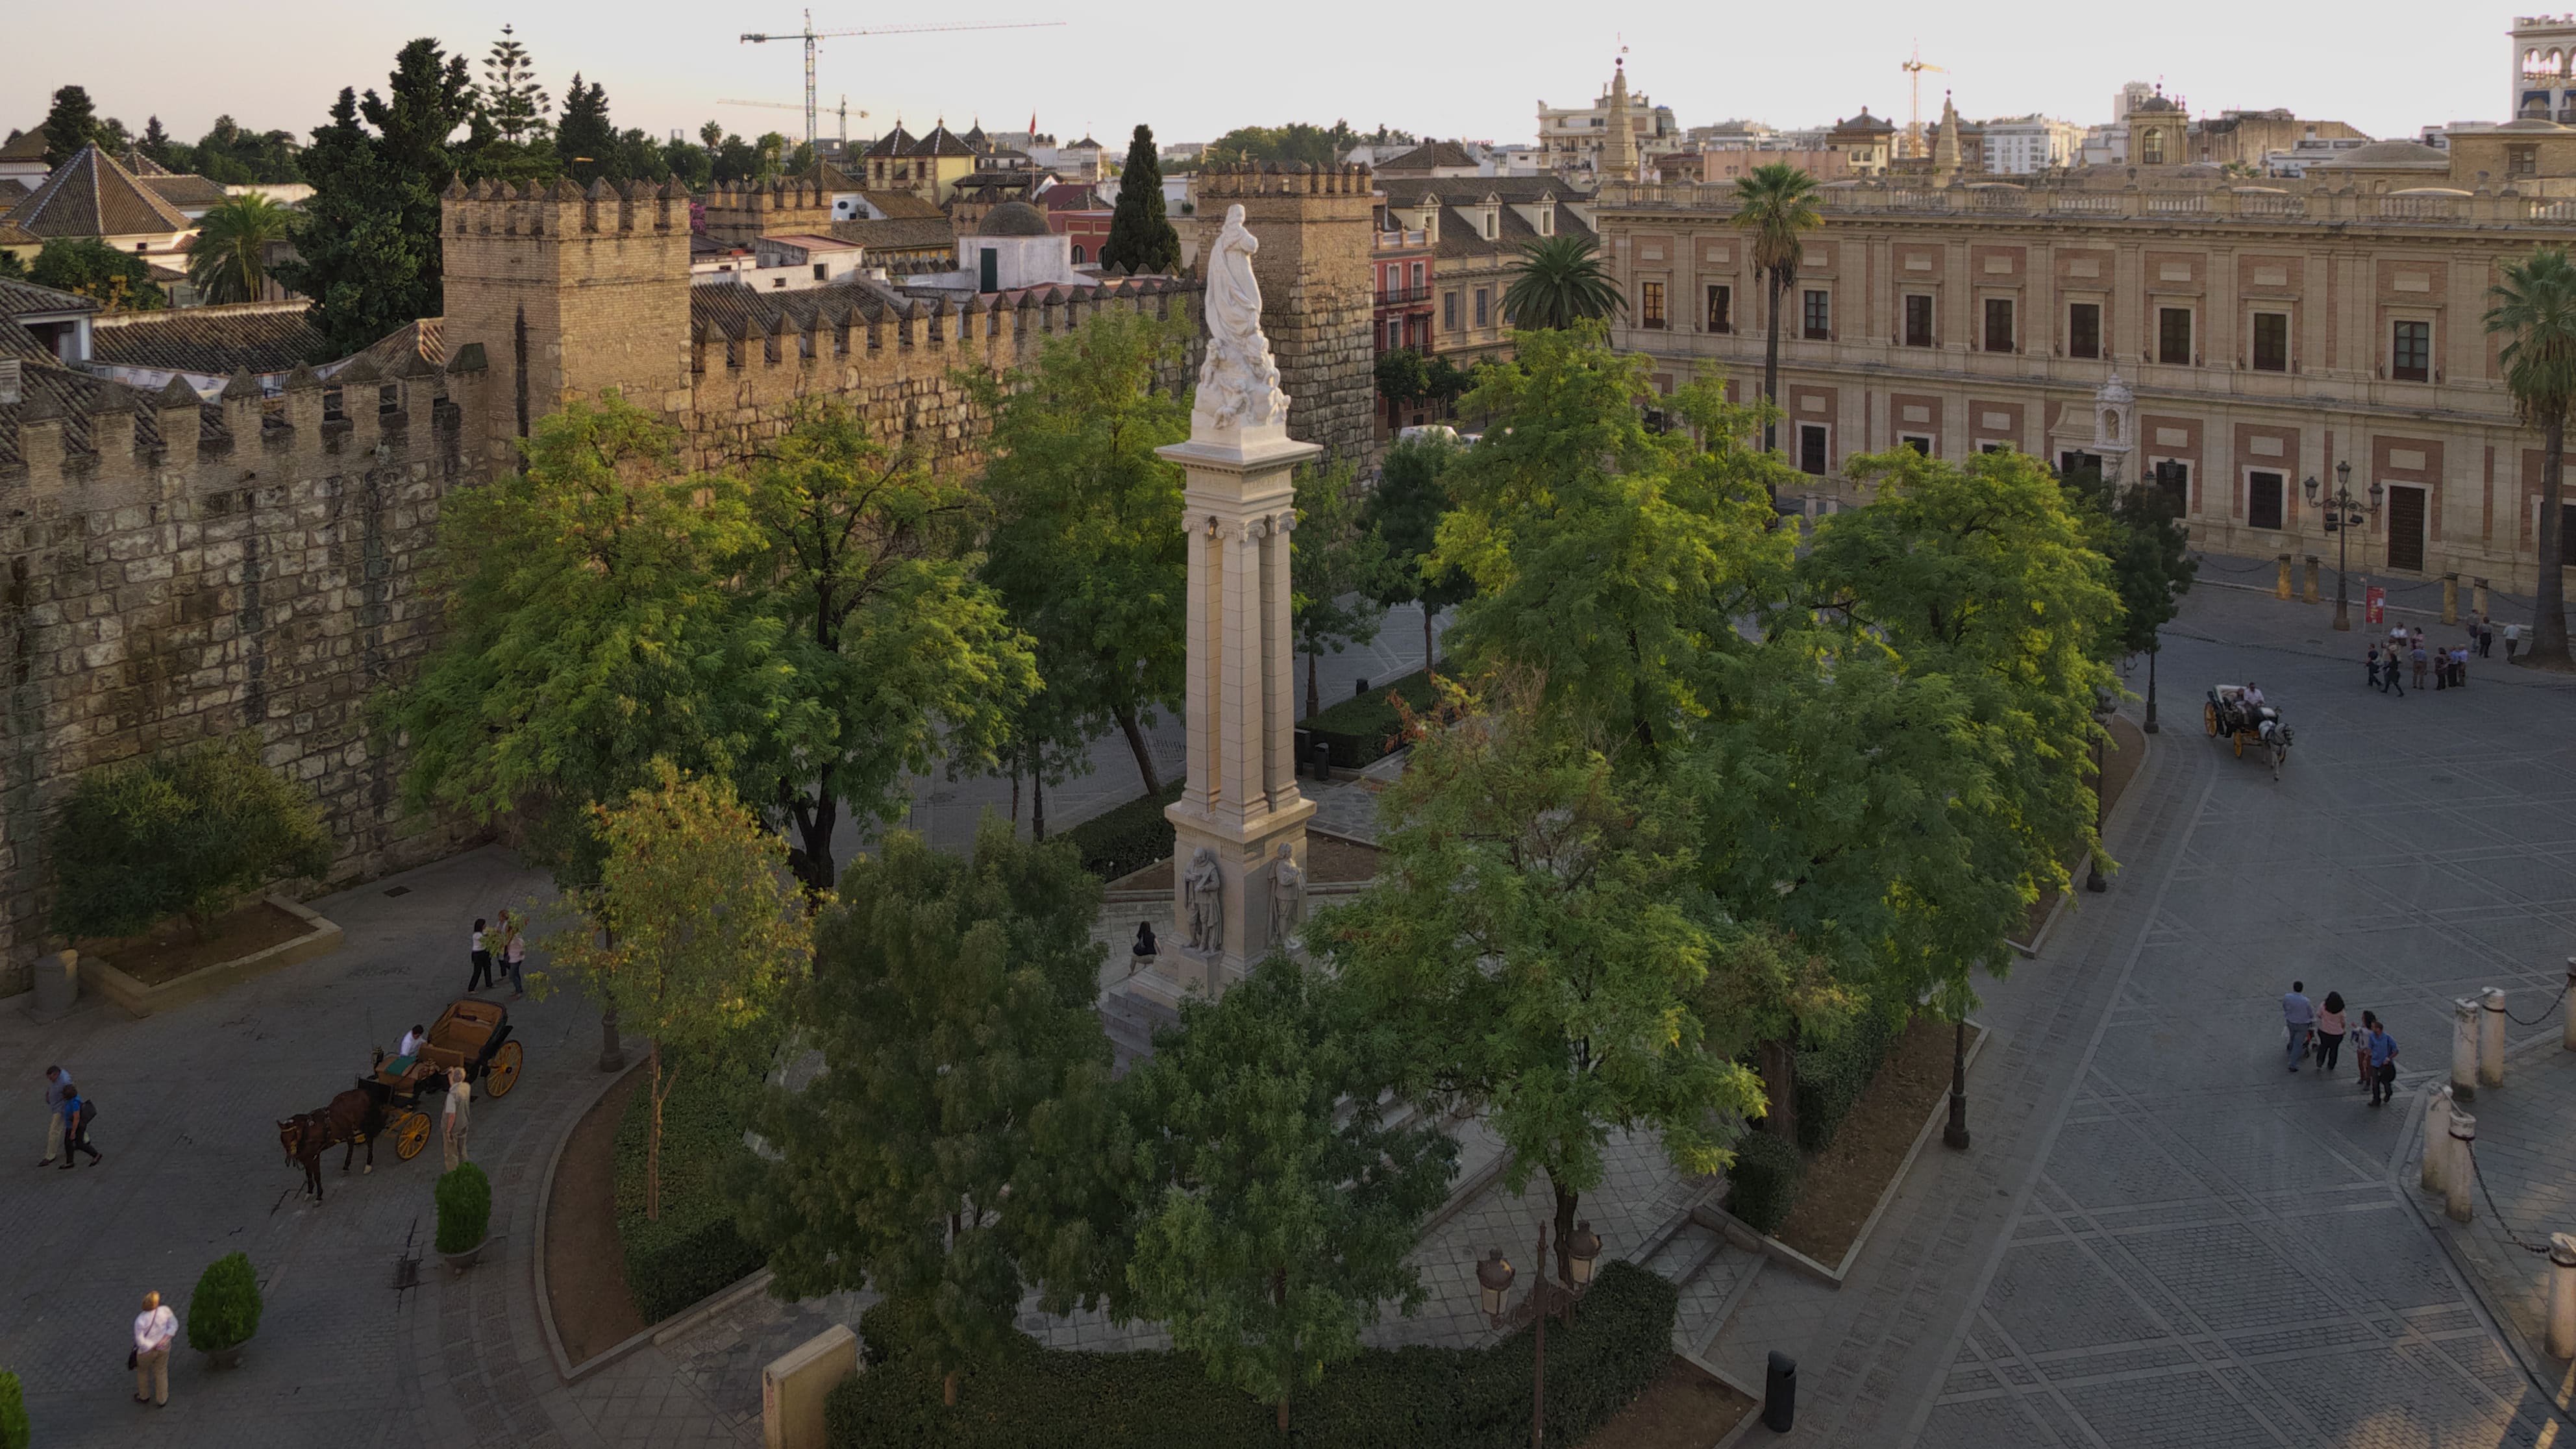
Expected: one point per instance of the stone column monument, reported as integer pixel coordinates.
(1239, 830)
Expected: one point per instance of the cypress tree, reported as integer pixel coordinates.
(584, 139)
(1140, 235)
(70, 125)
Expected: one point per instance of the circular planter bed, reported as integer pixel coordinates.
(227, 1358)
(459, 1262)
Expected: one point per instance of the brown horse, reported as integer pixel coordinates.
(352, 1116)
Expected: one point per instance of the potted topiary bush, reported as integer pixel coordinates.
(464, 1215)
(14, 1432)
(223, 1313)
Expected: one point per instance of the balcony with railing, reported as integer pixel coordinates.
(1394, 241)
(1404, 296)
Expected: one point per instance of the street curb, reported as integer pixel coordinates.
(1741, 1233)
(545, 1199)
(1752, 1416)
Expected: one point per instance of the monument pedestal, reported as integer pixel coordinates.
(1232, 903)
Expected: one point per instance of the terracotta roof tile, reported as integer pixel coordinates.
(90, 195)
(22, 299)
(262, 336)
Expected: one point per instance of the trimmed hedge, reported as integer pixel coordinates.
(1364, 730)
(1831, 1078)
(224, 1311)
(13, 1413)
(1763, 1183)
(1406, 1398)
(1127, 838)
(694, 1249)
(464, 1207)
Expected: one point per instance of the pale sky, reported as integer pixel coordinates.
(1440, 70)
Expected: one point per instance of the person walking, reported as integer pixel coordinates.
(154, 1330)
(2421, 660)
(78, 1113)
(453, 1121)
(2391, 677)
(514, 952)
(2330, 1033)
(2486, 637)
(2383, 1061)
(58, 1085)
(2300, 1015)
(2460, 667)
(2512, 641)
(2373, 662)
(482, 960)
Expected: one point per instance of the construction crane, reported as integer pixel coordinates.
(843, 113)
(1914, 69)
(810, 36)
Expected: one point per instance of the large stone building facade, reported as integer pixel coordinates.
(179, 569)
(2268, 333)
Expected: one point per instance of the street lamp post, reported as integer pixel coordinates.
(2104, 706)
(1956, 1134)
(2343, 515)
(1494, 1285)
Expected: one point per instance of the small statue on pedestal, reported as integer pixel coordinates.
(1203, 896)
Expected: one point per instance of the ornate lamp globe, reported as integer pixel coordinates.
(1581, 1250)
(1494, 1281)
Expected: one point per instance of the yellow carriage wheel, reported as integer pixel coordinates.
(2240, 745)
(2209, 718)
(411, 1134)
(503, 1072)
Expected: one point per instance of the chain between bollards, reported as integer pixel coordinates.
(2469, 1150)
(2544, 1011)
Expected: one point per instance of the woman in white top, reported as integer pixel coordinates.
(154, 1328)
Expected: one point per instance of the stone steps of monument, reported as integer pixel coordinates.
(1131, 1021)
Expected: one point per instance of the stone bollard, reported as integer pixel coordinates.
(2562, 1296)
(2567, 1032)
(2450, 598)
(57, 986)
(2437, 1140)
(2311, 589)
(2478, 597)
(2282, 588)
(2491, 1037)
(2464, 1049)
(2459, 1177)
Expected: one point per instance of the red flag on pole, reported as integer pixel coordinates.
(1033, 128)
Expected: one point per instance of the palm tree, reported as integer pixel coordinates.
(1557, 282)
(2535, 309)
(1777, 203)
(226, 262)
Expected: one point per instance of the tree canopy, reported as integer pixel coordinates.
(2532, 307)
(117, 281)
(1335, 567)
(69, 125)
(1559, 281)
(228, 262)
(189, 832)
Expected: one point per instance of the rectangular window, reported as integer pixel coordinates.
(1417, 276)
(2174, 477)
(1811, 444)
(1650, 304)
(1721, 309)
(1994, 447)
(2522, 160)
(2084, 329)
(2263, 493)
(1918, 320)
(2410, 352)
(2173, 336)
(1917, 442)
(1449, 311)
(1818, 316)
(2271, 342)
(1481, 305)
(1999, 324)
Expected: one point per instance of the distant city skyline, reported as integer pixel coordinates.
(666, 66)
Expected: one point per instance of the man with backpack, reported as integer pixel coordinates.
(2383, 1060)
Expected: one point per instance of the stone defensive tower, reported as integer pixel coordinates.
(569, 293)
(1315, 228)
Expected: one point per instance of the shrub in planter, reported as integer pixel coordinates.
(1363, 729)
(224, 1311)
(14, 1432)
(1764, 1181)
(1832, 1077)
(464, 1208)
(1128, 837)
(887, 1331)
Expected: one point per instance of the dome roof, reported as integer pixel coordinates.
(2529, 124)
(2385, 155)
(1014, 218)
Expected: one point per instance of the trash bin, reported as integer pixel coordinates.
(1323, 759)
(1780, 1393)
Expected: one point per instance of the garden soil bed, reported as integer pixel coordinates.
(585, 1263)
(2119, 766)
(171, 950)
(1844, 1182)
(1330, 860)
(1684, 1409)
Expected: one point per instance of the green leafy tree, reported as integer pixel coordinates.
(694, 165)
(1087, 548)
(898, 656)
(585, 141)
(640, 157)
(1404, 512)
(1141, 238)
(692, 933)
(1776, 206)
(1335, 566)
(2532, 307)
(367, 243)
(71, 124)
(117, 281)
(10, 266)
(233, 156)
(154, 142)
(1613, 562)
(14, 1430)
(591, 628)
(1535, 935)
(1298, 141)
(185, 833)
(2139, 530)
(1279, 1205)
(1558, 281)
(1400, 375)
(509, 94)
(964, 1077)
(228, 262)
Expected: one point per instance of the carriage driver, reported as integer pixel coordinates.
(2253, 695)
(413, 1040)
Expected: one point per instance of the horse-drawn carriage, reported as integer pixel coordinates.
(471, 1033)
(2245, 722)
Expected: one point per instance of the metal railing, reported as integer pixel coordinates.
(1403, 296)
(2224, 203)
